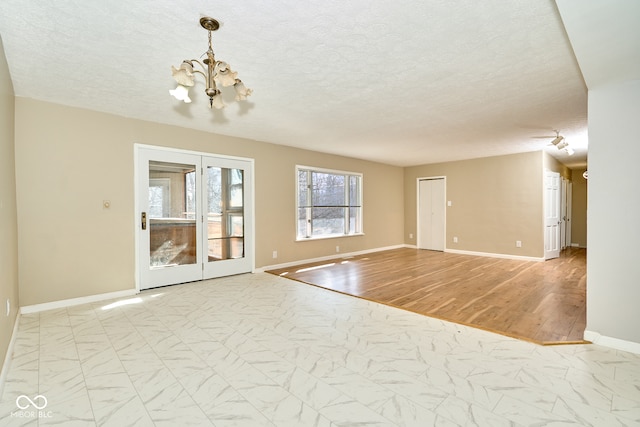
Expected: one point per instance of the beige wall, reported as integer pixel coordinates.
(69, 160)
(554, 165)
(8, 220)
(495, 201)
(579, 209)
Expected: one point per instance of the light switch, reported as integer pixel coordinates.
(449, 203)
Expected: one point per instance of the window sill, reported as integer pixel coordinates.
(334, 236)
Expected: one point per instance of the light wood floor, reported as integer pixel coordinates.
(544, 302)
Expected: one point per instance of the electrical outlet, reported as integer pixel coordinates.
(518, 244)
(455, 240)
(337, 248)
(411, 235)
(275, 254)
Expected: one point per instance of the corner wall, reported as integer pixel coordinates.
(613, 270)
(494, 202)
(68, 160)
(8, 216)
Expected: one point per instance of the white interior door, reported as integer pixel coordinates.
(431, 214)
(175, 192)
(552, 215)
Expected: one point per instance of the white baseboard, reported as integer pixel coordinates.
(7, 357)
(36, 308)
(618, 344)
(325, 258)
(351, 254)
(492, 255)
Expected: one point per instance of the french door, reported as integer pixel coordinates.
(194, 216)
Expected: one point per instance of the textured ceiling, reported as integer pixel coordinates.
(402, 82)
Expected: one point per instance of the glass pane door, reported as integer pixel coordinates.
(194, 217)
(226, 227)
(169, 233)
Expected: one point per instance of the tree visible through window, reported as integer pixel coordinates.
(329, 203)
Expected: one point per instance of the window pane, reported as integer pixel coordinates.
(302, 222)
(159, 200)
(327, 221)
(190, 194)
(328, 189)
(235, 188)
(302, 188)
(237, 248)
(214, 190)
(236, 228)
(354, 190)
(354, 220)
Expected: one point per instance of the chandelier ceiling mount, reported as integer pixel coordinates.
(209, 24)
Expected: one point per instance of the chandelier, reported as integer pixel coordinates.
(216, 74)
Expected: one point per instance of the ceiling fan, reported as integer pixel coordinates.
(558, 140)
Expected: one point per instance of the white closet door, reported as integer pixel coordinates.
(431, 214)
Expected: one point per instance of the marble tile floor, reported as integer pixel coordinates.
(260, 350)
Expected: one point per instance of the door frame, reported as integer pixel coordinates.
(249, 252)
(444, 204)
(563, 213)
(569, 232)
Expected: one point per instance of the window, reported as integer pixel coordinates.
(190, 194)
(159, 197)
(329, 203)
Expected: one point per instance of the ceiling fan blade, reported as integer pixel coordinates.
(557, 140)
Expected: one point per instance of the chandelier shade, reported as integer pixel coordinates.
(181, 93)
(184, 75)
(216, 74)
